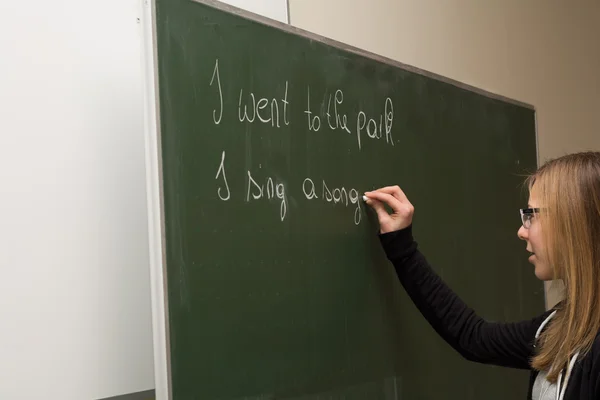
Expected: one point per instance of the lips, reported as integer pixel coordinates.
(531, 254)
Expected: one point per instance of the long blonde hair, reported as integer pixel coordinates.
(568, 189)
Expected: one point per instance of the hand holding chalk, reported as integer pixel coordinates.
(394, 198)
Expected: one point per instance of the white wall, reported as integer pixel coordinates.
(75, 288)
(274, 9)
(543, 52)
(74, 284)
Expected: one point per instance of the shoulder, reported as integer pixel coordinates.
(539, 323)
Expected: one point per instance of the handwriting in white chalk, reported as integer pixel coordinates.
(221, 171)
(308, 187)
(269, 190)
(374, 130)
(314, 122)
(339, 195)
(267, 111)
(340, 120)
(331, 110)
(216, 74)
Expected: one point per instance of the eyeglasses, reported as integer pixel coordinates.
(527, 215)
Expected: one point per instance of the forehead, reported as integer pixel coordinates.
(533, 198)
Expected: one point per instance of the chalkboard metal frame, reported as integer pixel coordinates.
(154, 165)
(155, 204)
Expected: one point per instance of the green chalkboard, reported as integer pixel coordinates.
(276, 284)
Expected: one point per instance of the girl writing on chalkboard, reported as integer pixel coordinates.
(561, 226)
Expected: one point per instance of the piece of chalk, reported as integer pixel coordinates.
(365, 198)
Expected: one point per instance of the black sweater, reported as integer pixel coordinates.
(503, 344)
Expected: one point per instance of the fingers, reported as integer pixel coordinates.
(395, 204)
(394, 191)
(394, 198)
(382, 213)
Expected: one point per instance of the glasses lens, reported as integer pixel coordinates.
(526, 218)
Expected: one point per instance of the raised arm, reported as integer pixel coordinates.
(504, 344)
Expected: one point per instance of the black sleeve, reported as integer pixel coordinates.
(503, 344)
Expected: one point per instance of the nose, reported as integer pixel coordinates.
(523, 233)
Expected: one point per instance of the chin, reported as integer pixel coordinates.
(543, 273)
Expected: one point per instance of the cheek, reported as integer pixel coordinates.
(537, 240)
